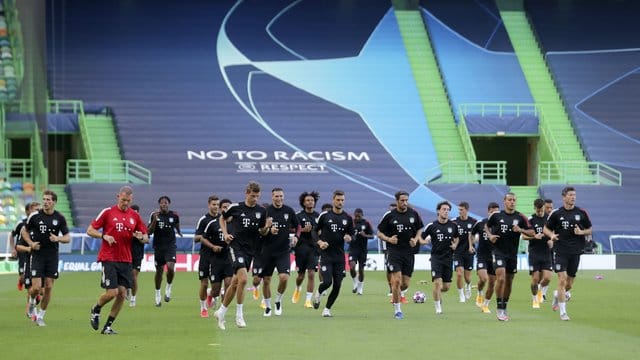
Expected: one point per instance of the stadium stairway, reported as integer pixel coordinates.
(541, 83)
(435, 102)
(63, 205)
(102, 142)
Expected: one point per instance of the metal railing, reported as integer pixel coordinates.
(479, 172)
(484, 109)
(65, 107)
(16, 169)
(575, 172)
(106, 171)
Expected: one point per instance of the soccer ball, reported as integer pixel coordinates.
(419, 297)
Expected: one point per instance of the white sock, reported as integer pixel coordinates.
(203, 304)
(158, 292)
(355, 282)
(461, 292)
(534, 297)
(208, 291)
(278, 297)
(168, 288)
(403, 292)
(481, 293)
(360, 285)
(239, 310)
(309, 295)
(563, 307)
(299, 288)
(222, 310)
(555, 294)
(133, 298)
(544, 290)
(267, 302)
(396, 307)
(486, 302)
(41, 314)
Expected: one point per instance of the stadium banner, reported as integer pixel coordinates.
(375, 262)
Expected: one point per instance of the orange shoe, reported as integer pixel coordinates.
(20, 285)
(204, 313)
(403, 299)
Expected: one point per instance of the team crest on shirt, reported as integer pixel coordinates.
(468, 226)
(131, 221)
(54, 222)
(344, 222)
(170, 219)
(577, 217)
(258, 215)
(362, 227)
(286, 217)
(515, 222)
(450, 230)
(412, 220)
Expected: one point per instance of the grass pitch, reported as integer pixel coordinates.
(605, 323)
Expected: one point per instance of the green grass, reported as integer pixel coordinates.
(604, 324)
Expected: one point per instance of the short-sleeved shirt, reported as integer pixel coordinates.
(464, 229)
(245, 226)
(501, 223)
(442, 236)
(164, 233)
(41, 226)
(121, 225)
(563, 222)
(214, 235)
(285, 219)
(483, 251)
(307, 238)
(359, 242)
(403, 224)
(332, 228)
(538, 246)
(200, 228)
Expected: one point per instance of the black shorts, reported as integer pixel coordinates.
(240, 259)
(463, 260)
(486, 264)
(115, 274)
(566, 262)
(332, 269)
(220, 269)
(257, 265)
(164, 255)
(441, 267)
(508, 262)
(136, 263)
(359, 256)
(270, 262)
(23, 260)
(539, 262)
(204, 267)
(306, 259)
(401, 262)
(44, 265)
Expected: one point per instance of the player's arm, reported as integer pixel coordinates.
(12, 242)
(493, 238)
(178, 227)
(152, 222)
(470, 241)
(550, 233)
(22, 248)
(94, 233)
(27, 238)
(65, 238)
(454, 243)
(225, 233)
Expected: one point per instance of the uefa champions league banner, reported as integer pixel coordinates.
(375, 262)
